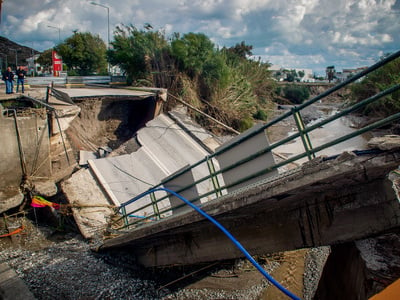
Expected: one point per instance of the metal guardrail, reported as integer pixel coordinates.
(126, 222)
(49, 80)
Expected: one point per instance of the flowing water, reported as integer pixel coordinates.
(325, 134)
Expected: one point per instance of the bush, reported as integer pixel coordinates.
(260, 115)
(296, 93)
(245, 124)
(72, 72)
(375, 82)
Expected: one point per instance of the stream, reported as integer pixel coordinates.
(325, 134)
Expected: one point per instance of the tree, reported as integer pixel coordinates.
(330, 73)
(84, 53)
(45, 59)
(192, 52)
(241, 50)
(235, 90)
(291, 75)
(375, 82)
(136, 51)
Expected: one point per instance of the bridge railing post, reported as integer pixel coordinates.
(125, 216)
(303, 134)
(155, 206)
(214, 177)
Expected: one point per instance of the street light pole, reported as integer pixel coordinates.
(59, 32)
(108, 21)
(108, 27)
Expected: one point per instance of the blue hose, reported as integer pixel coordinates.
(227, 233)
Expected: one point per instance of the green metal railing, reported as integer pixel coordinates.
(215, 174)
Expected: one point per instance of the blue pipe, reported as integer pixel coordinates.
(227, 233)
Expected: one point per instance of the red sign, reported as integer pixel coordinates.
(57, 63)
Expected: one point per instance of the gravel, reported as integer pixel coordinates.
(314, 263)
(70, 270)
(57, 266)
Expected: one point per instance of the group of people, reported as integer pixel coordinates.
(8, 78)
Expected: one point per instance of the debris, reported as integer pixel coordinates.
(38, 201)
(18, 230)
(387, 142)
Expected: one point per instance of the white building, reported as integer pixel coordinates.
(280, 73)
(348, 73)
(33, 66)
(308, 75)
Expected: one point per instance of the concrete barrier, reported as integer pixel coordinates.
(11, 286)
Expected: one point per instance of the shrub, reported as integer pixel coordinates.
(260, 115)
(245, 124)
(375, 82)
(296, 93)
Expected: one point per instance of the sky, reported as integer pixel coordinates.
(301, 34)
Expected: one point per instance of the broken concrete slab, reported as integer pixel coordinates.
(169, 144)
(229, 156)
(84, 156)
(46, 188)
(25, 146)
(64, 116)
(331, 202)
(181, 117)
(125, 176)
(11, 286)
(173, 148)
(165, 149)
(10, 198)
(102, 92)
(90, 206)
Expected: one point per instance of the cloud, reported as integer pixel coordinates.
(279, 54)
(311, 33)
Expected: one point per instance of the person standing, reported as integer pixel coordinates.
(8, 77)
(21, 73)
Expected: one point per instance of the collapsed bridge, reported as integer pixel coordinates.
(245, 183)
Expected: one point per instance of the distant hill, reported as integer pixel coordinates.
(23, 52)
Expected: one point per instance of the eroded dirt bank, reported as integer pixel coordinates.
(107, 122)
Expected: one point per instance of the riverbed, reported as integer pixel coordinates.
(320, 136)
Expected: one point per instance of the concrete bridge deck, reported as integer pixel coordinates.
(323, 202)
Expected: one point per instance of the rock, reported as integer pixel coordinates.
(387, 142)
(345, 156)
(382, 260)
(10, 199)
(45, 188)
